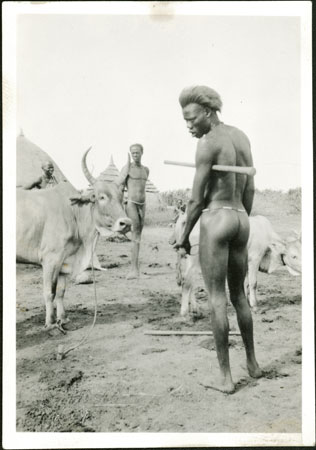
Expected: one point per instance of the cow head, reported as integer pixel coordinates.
(108, 212)
(292, 257)
(178, 229)
(273, 257)
(279, 253)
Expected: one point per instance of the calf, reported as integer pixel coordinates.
(266, 252)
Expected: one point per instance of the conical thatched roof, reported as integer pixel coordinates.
(151, 188)
(112, 172)
(29, 160)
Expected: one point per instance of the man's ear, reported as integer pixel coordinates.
(207, 112)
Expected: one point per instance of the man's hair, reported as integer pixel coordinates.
(137, 145)
(47, 164)
(202, 95)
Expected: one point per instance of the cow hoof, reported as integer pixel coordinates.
(54, 326)
(63, 321)
(84, 278)
(59, 325)
(52, 330)
(134, 275)
(185, 317)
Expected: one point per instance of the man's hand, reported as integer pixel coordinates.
(121, 179)
(183, 247)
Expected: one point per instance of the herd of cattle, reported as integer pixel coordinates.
(58, 229)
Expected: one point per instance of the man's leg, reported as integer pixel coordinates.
(132, 213)
(237, 269)
(213, 259)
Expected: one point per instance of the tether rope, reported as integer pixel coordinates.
(62, 353)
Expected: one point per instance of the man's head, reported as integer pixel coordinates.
(136, 152)
(199, 104)
(48, 168)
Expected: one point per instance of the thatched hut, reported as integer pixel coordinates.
(29, 160)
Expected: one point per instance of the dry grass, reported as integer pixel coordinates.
(267, 203)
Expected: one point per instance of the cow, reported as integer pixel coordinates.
(57, 228)
(266, 252)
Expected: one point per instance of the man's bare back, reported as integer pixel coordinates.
(224, 201)
(225, 145)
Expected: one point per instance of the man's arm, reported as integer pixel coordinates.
(249, 191)
(36, 183)
(249, 194)
(195, 205)
(122, 178)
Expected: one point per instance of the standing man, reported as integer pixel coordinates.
(47, 180)
(224, 201)
(134, 176)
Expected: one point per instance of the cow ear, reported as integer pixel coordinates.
(265, 261)
(294, 236)
(75, 200)
(277, 246)
(83, 198)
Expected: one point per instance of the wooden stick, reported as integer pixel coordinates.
(184, 333)
(251, 171)
(177, 163)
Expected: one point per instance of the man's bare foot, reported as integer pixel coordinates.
(133, 275)
(254, 370)
(227, 387)
(223, 384)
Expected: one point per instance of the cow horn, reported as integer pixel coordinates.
(85, 169)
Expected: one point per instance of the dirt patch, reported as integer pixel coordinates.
(123, 380)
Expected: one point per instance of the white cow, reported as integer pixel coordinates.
(57, 229)
(266, 252)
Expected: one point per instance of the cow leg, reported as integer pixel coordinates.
(188, 301)
(60, 292)
(253, 268)
(186, 293)
(50, 278)
(246, 286)
(193, 308)
(179, 277)
(49, 287)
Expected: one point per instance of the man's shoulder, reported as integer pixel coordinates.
(235, 131)
(209, 142)
(39, 179)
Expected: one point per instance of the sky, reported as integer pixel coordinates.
(108, 81)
